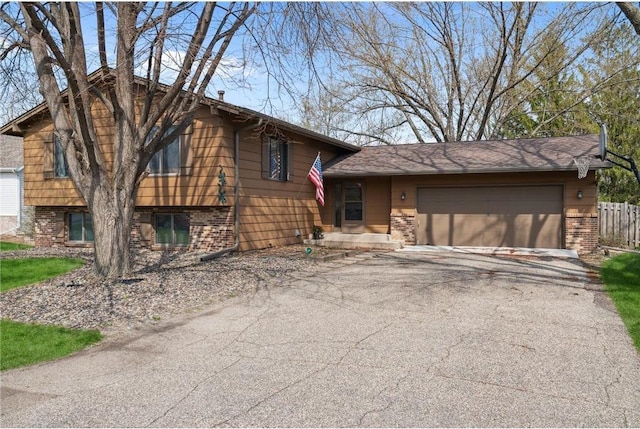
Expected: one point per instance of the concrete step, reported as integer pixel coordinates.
(340, 240)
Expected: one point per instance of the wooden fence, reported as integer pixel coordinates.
(620, 222)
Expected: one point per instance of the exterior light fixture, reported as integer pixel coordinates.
(580, 195)
(403, 196)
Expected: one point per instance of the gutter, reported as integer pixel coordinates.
(343, 174)
(236, 192)
(11, 170)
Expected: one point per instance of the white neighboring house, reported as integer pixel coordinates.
(11, 184)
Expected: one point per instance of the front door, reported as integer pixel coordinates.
(350, 206)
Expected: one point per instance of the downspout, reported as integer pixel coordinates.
(236, 193)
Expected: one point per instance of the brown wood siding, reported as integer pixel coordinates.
(37, 190)
(211, 147)
(272, 210)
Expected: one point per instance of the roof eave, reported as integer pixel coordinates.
(249, 113)
(458, 171)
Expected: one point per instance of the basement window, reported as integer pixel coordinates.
(80, 227)
(172, 229)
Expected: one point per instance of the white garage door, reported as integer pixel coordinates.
(9, 194)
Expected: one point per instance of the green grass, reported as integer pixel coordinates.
(8, 247)
(621, 277)
(24, 344)
(21, 272)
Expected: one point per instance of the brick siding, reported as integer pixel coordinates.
(44, 225)
(403, 227)
(581, 233)
(210, 229)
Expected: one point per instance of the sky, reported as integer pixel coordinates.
(243, 77)
(244, 81)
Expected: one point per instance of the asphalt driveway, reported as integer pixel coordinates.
(397, 339)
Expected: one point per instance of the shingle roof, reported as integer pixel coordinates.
(540, 154)
(11, 154)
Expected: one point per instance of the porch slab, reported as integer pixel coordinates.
(340, 240)
(514, 251)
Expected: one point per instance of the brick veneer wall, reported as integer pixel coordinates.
(403, 227)
(210, 229)
(581, 232)
(44, 227)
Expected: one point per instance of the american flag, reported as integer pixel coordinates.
(315, 176)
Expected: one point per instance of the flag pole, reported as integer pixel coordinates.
(306, 177)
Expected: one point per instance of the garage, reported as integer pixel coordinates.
(506, 216)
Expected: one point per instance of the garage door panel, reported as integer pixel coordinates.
(445, 229)
(525, 216)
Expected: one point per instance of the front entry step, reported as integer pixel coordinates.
(340, 240)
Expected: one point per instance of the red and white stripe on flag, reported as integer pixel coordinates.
(315, 176)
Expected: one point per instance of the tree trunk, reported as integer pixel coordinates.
(112, 224)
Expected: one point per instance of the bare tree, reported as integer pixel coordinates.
(455, 71)
(143, 34)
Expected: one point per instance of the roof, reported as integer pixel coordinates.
(491, 156)
(232, 108)
(14, 127)
(11, 153)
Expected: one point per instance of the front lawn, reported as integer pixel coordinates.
(21, 272)
(621, 277)
(8, 247)
(24, 344)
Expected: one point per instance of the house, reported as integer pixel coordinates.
(11, 185)
(511, 193)
(188, 198)
(520, 193)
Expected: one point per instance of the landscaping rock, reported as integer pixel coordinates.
(161, 284)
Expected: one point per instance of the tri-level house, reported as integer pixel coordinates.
(237, 177)
(188, 199)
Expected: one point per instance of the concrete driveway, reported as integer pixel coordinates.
(398, 339)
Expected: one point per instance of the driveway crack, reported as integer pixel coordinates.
(190, 392)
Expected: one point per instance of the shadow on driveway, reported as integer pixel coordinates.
(396, 339)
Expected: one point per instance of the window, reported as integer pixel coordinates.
(353, 202)
(167, 160)
(60, 166)
(172, 229)
(278, 156)
(80, 227)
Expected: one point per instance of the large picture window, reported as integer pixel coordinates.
(172, 229)
(167, 160)
(80, 227)
(60, 166)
